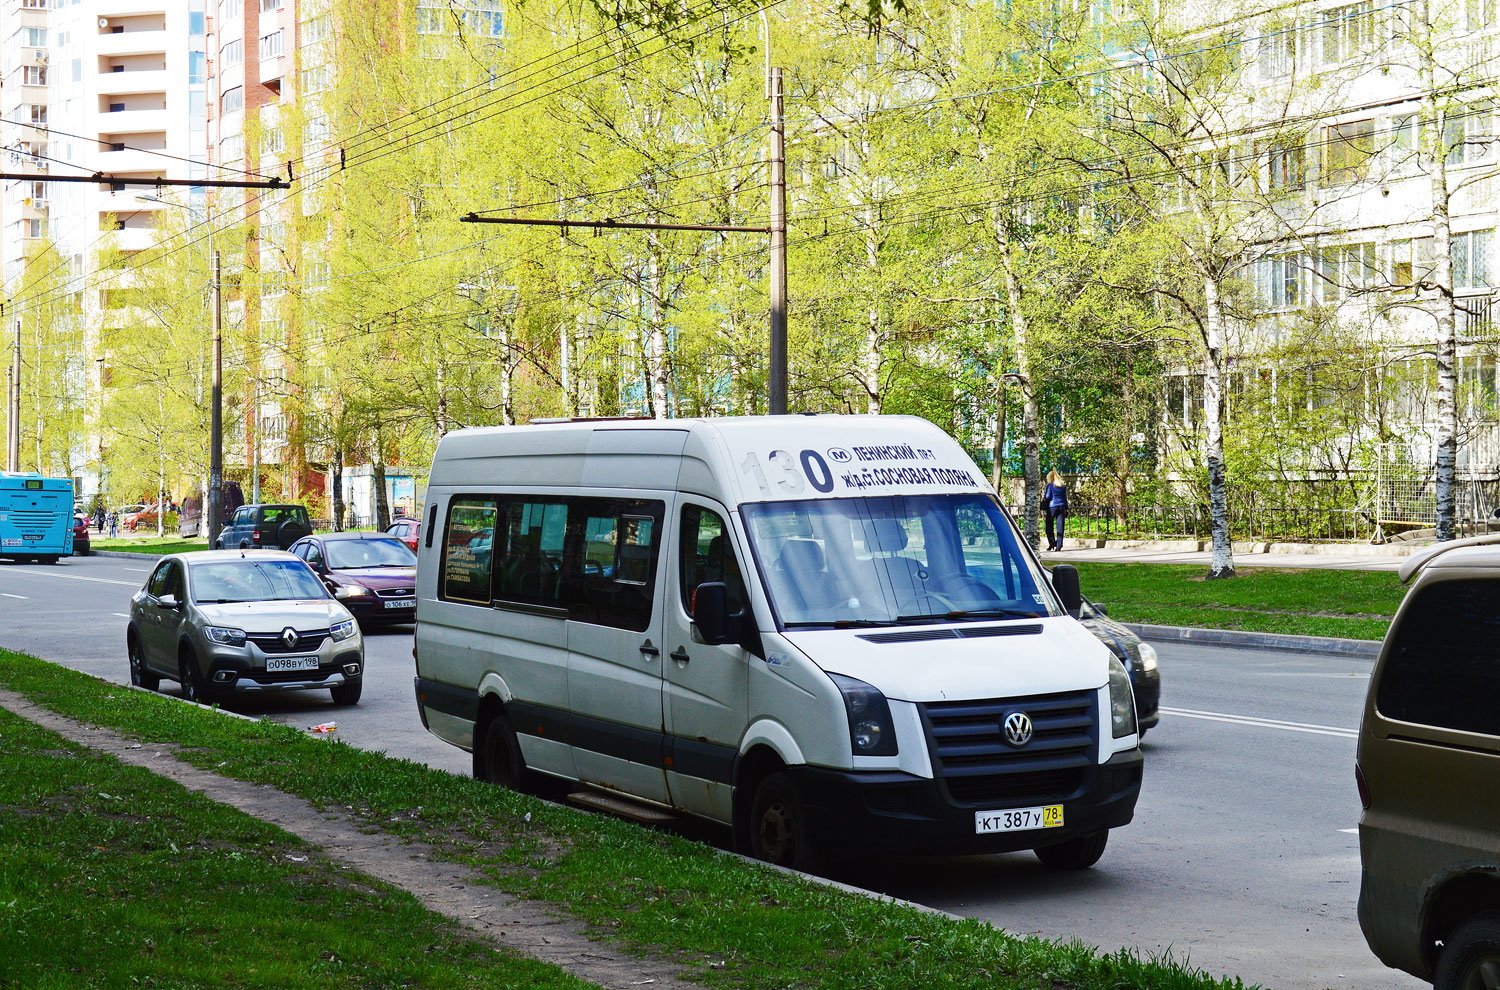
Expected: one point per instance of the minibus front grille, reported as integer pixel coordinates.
(971, 756)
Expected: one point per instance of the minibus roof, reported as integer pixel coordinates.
(733, 459)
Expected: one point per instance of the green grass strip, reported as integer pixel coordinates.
(111, 876)
(1298, 601)
(730, 923)
(148, 544)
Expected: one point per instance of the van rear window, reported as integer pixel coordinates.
(1443, 668)
(468, 550)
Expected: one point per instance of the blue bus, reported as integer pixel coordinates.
(36, 517)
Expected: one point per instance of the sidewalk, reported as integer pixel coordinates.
(1334, 559)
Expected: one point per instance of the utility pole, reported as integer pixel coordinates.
(215, 507)
(777, 383)
(13, 449)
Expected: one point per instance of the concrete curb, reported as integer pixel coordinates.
(126, 554)
(1363, 649)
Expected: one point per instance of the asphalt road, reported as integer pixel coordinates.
(1239, 860)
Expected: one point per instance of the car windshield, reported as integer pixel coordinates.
(893, 559)
(255, 581)
(349, 554)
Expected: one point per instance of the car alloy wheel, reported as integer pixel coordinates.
(139, 675)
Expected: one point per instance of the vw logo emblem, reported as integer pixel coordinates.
(289, 637)
(1017, 727)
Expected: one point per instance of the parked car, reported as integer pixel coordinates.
(1138, 657)
(190, 518)
(126, 515)
(264, 525)
(373, 574)
(144, 518)
(1428, 773)
(222, 623)
(408, 531)
(80, 536)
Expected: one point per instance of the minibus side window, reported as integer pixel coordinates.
(1443, 668)
(468, 549)
(707, 554)
(534, 544)
(611, 567)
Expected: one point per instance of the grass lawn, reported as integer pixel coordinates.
(148, 544)
(114, 877)
(730, 923)
(1302, 601)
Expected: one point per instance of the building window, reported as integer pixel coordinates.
(1281, 281)
(36, 37)
(1347, 31)
(232, 148)
(272, 141)
(233, 99)
(1348, 148)
(315, 30)
(34, 228)
(269, 5)
(195, 23)
(39, 115)
(1288, 170)
(232, 54)
(1284, 47)
(485, 18)
(197, 69)
(318, 132)
(273, 45)
(1468, 134)
(1471, 259)
(34, 75)
(1479, 14)
(315, 80)
(430, 16)
(231, 8)
(1344, 270)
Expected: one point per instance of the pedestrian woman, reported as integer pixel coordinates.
(1055, 499)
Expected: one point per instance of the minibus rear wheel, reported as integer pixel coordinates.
(1471, 955)
(502, 763)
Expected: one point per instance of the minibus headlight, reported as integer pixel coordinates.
(871, 731)
(342, 631)
(225, 637)
(1121, 699)
(1148, 657)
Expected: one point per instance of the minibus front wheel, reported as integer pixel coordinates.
(500, 761)
(778, 824)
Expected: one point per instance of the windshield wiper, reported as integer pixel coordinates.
(840, 623)
(976, 613)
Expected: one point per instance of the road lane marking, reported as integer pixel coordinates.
(120, 614)
(9, 595)
(138, 570)
(1349, 831)
(66, 577)
(1264, 723)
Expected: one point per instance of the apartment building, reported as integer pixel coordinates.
(111, 86)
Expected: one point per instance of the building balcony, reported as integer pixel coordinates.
(131, 121)
(147, 81)
(272, 69)
(132, 43)
(127, 162)
(127, 8)
(132, 238)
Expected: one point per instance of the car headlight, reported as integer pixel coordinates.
(224, 636)
(1148, 657)
(871, 731)
(344, 630)
(350, 591)
(1121, 699)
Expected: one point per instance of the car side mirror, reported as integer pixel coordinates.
(1065, 583)
(169, 601)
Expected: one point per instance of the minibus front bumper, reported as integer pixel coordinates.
(865, 812)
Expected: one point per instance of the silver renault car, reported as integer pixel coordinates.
(221, 622)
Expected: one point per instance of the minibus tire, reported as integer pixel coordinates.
(778, 824)
(1077, 853)
(1470, 954)
(502, 763)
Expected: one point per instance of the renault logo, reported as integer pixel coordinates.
(1017, 728)
(289, 637)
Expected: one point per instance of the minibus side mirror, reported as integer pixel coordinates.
(711, 613)
(1065, 583)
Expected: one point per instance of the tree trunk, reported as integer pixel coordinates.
(1222, 564)
(1031, 410)
(997, 470)
(382, 504)
(336, 488)
(507, 370)
(870, 366)
(1443, 306)
(656, 333)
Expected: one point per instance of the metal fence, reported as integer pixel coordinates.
(1299, 524)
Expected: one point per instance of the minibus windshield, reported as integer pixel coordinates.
(893, 560)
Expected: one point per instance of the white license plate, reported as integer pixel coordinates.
(1018, 819)
(291, 663)
(401, 603)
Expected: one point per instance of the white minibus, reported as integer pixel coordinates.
(822, 631)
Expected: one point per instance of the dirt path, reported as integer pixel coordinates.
(450, 889)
